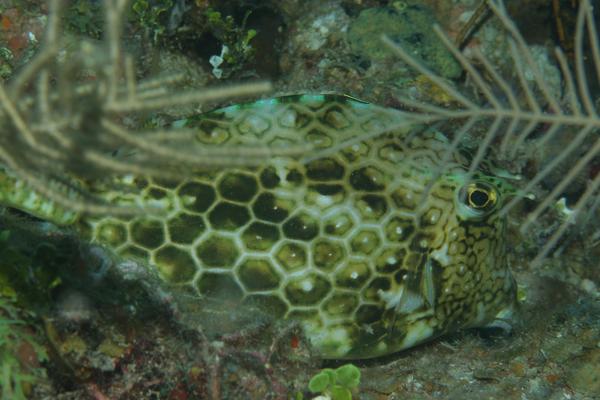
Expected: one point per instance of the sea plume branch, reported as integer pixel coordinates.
(58, 132)
(513, 120)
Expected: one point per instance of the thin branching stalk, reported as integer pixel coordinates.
(513, 121)
(55, 128)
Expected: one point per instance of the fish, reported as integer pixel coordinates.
(373, 243)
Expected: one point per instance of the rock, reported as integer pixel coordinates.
(408, 25)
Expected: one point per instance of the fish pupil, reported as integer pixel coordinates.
(478, 198)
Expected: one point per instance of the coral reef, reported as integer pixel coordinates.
(101, 326)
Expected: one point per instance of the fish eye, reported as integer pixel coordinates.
(479, 198)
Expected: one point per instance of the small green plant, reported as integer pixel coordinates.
(6, 57)
(152, 14)
(85, 17)
(17, 372)
(336, 384)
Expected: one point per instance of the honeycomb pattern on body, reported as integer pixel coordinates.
(346, 242)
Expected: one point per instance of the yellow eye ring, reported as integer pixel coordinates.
(481, 197)
(477, 199)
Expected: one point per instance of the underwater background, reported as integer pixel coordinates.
(79, 320)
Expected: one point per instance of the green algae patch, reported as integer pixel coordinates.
(409, 26)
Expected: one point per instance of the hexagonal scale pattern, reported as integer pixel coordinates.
(346, 242)
(185, 228)
(175, 264)
(258, 274)
(291, 256)
(307, 290)
(237, 187)
(148, 233)
(219, 286)
(228, 216)
(327, 254)
(196, 196)
(260, 236)
(218, 251)
(112, 232)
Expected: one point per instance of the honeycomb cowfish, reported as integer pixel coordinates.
(373, 243)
